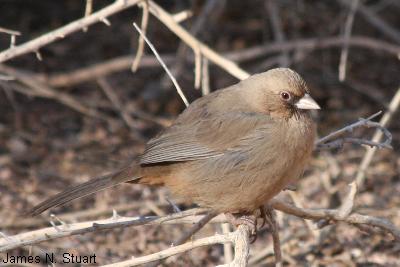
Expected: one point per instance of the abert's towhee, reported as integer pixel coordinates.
(231, 150)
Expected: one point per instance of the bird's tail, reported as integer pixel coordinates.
(128, 174)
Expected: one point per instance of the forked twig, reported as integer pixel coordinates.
(336, 139)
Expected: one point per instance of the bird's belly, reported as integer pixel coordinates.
(236, 188)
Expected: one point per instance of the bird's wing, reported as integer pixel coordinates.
(202, 138)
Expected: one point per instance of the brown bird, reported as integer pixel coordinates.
(230, 151)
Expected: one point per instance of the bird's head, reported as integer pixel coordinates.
(281, 92)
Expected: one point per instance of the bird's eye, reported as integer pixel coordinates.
(285, 96)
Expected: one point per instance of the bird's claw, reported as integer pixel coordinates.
(244, 219)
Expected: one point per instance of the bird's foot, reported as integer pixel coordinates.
(290, 187)
(263, 216)
(249, 220)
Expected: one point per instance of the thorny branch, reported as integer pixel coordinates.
(336, 139)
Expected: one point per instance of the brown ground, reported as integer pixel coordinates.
(46, 146)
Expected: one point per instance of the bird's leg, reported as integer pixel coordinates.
(248, 219)
(263, 216)
(290, 187)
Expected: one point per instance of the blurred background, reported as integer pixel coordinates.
(46, 144)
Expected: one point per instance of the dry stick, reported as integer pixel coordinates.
(182, 16)
(299, 203)
(240, 238)
(35, 44)
(269, 250)
(347, 33)
(347, 206)
(42, 90)
(144, 23)
(178, 88)
(214, 57)
(12, 223)
(332, 214)
(228, 252)
(197, 68)
(45, 234)
(37, 236)
(271, 219)
(88, 11)
(393, 107)
(345, 209)
(187, 235)
(205, 77)
(376, 21)
(10, 32)
(13, 35)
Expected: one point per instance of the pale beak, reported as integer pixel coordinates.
(306, 102)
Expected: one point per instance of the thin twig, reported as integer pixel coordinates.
(182, 16)
(228, 252)
(332, 214)
(187, 235)
(197, 68)
(240, 238)
(339, 141)
(178, 88)
(13, 35)
(205, 77)
(88, 11)
(271, 219)
(140, 49)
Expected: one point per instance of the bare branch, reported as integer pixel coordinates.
(240, 238)
(49, 233)
(35, 44)
(187, 235)
(332, 214)
(335, 139)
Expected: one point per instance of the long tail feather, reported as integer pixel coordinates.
(87, 188)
